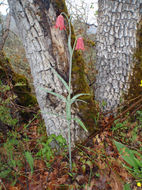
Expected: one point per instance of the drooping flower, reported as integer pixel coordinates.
(60, 22)
(141, 83)
(80, 44)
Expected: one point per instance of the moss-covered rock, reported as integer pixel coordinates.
(23, 91)
(18, 83)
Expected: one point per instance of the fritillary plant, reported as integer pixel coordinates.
(78, 45)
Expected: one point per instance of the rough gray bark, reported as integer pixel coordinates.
(4, 31)
(45, 47)
(116, 41)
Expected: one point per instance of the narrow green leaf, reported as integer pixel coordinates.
(61, 79)
(30, 160)
(78, 95)
(5, 173)
(137, 153)
(55, 94)
(13, 162)
(80, 123)
(126, 154)
(138, 163)
(127, 187)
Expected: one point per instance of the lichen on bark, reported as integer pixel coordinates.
(135, 89)
(116, 41)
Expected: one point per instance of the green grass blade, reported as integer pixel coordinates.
(138, 162)
(5, 173)
(61, 79)
(30, 160)
(55, 94)
(80, 123)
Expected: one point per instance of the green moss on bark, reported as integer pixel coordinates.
(87, 111)
(135, 89)
(59, 6)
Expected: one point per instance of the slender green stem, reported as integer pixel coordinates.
(68, 103)
(74, 46)
(70, 71)
(71, 53)
(69, 141)
(2, 184)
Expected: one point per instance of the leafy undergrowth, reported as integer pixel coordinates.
(28, 162)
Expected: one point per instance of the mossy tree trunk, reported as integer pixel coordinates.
(116, 42)
(45, 47)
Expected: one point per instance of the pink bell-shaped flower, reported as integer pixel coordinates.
(60, 22)
(80, 44)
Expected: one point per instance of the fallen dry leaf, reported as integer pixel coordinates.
(62, 179)
(101, 165)
(35, 186)
(115, 181)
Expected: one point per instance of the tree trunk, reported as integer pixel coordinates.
(4, 31)
(45, 47)
(116, 41)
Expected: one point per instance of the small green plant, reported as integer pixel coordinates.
(30, 160)
(135, 133)
(96, 118)
(139, 116)
(13, 157)
(134, 160)
(5, 112)
(118, 125)
(47, 152)
(68, 100)
(10, 161)
(127, 187)
(104, 104)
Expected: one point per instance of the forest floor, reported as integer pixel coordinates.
(28, 162)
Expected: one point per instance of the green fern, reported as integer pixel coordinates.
(30, 160)
(130, 157)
